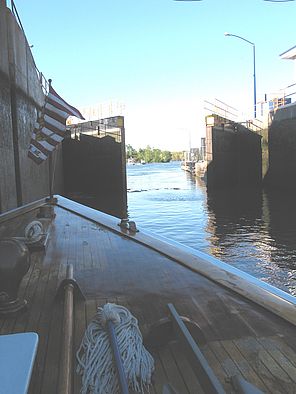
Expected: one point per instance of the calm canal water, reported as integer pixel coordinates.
(252, 230)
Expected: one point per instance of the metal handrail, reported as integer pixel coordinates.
(251, 125)
(282, 92)
(221, 110)
(16, 15)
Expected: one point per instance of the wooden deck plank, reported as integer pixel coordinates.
(98, 253)
(285, 349)
(270, 372)
(190, 379)
(27, 279)
(171, 370)
(50, 375)
(32, 325)
(49, 360)
(51, 322)
(93, 250)
(244, 367)
(271, 364)
(189, 307)
(271, 347)
(250, 318)
(220, 371)
(224, 323)
(226, 362)
(100, 260)
(85, 246)
(70, 236)
(159, 377)
(7, 325)
(75, 231)
(40, 293)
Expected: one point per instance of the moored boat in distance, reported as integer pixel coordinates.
(246, 328)
(189, 166)
(131, 161)
(196, 168)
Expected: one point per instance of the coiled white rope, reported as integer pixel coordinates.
(95, 360)
(34, 231)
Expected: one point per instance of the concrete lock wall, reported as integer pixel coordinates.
(221, 170)
(234, 157)
(250, 157)
(8, 198)
(21, 95)
(282, 150)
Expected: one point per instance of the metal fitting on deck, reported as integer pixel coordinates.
(124, 223)
(133, 227)
(128, 225)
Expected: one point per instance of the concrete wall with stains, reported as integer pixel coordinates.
(234, 157)
(21, 95)
(282, 150)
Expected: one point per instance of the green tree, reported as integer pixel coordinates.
(130, 152)
(177, 156)
(166, 156)
(148, 154)
(157, 155)
(141, 154)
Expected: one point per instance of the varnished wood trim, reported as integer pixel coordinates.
(21, 210)
(65, 377)
(270, 297)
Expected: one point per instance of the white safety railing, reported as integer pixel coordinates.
(265, 109)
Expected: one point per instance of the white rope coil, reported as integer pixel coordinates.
(95, 359)
(34, 231)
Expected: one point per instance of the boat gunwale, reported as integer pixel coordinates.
(12, 214)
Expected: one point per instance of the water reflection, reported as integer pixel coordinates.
(250, 229)
(279, 209)
(255, 231)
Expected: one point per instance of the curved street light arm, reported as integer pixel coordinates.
(242, 38)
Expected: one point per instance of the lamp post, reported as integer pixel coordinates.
(254, 66)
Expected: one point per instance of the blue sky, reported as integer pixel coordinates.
(160, 58)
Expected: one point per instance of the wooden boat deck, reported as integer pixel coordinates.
(241, 337)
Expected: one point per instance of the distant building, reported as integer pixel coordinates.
(287, 95)
(191, 155)
(290, 54)
(203, 148)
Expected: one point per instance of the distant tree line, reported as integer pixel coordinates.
(151, 155)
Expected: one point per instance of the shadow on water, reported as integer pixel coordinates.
(231, 211)
(255, 230)
(280, 216)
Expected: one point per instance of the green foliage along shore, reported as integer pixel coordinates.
(151, 155)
